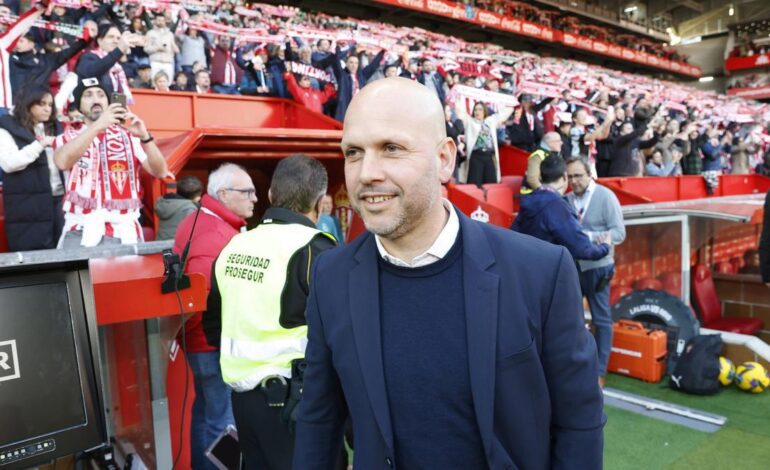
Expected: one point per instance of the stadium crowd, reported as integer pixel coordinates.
(625, 124)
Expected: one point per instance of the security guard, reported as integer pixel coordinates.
(551, 144)
(256, 307)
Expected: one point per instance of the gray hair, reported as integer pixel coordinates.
(222, 178)
(583, 161)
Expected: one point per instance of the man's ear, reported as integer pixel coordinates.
(447, 153)
(270, 196)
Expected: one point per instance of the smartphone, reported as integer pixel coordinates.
(119, 98)
(225, 453)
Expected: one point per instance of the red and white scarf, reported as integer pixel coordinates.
(111, 179)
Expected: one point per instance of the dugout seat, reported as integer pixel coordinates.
(709, 308)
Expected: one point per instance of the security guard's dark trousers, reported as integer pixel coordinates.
(263, 434)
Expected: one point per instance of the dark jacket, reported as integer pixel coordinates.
(521, 135)
(91, 65)
(764, 243)
(438, 82)
(546, 215)
(532, 362)
(625, 160)
(296, 289)
(345, 81)
(712, 160)
(32, 220)
(219, 59)
(31, 69)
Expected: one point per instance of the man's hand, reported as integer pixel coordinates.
(135, 126)
(47, 141)
(114, 114)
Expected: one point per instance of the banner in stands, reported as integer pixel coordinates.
(757, 93)
(522, 27)
(754, 61)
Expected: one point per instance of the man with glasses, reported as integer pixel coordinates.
(228, 202)
(256, 309)
(601, 218)
(546, 215)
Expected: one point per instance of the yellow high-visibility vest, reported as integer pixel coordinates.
(251, 274)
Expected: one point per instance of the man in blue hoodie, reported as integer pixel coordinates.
(546, 215)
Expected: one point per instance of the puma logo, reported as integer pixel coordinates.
(676, 380)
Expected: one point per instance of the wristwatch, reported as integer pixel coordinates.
(149, 139)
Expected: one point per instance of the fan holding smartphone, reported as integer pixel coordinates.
(102, 201)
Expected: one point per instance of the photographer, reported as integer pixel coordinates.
(102, 200)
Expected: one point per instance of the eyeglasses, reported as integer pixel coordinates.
(577, 176)
(247, 192)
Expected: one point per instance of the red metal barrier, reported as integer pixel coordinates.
(474, 207)
(513, 160)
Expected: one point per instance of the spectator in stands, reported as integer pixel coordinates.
(763, 168)
(412, 70)
(193, 50)
(256, 77)
(657, 167)
(546, 215)
(172, 208)
(181, 82)
(751, 262)
(102, 62)
(549, 146)
(113, 137)
(160, 46)
(32, 185)
(527, 130)
(328, 222)
(483, 163)
(276, 68)
(432, 79)
(228, 202)
(225, 74)
(712, 157)
(202, 82)
(28, 68)
(143, 80)
(692, 162)
(626, 160)
(160, 82)
(351, 79)
(581, 138)
(303, 92)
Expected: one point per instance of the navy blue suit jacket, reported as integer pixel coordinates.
(532, 362)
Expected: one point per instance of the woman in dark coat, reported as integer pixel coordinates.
(32, 185)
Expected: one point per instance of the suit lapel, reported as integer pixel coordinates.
(481, 289)
(365, 312)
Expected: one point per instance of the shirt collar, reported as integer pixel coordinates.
(437, 250)
(286, 216)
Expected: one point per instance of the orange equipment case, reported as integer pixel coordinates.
(637, 351)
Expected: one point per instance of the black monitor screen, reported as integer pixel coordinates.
(40, 388)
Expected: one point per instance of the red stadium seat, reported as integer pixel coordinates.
(500, 196)
(514, 182)
(672, 283)
(648, 283)
(618, 292)
(707, 303)
(471, 189)
(724, 267)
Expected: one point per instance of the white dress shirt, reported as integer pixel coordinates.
(437, 250)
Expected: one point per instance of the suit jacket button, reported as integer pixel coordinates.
(388, 462)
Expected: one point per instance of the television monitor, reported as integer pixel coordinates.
(51, 402)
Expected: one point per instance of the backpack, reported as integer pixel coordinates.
(697, 369)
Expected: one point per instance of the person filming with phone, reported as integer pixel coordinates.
(103, 154)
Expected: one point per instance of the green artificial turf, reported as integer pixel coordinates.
(633, 441)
